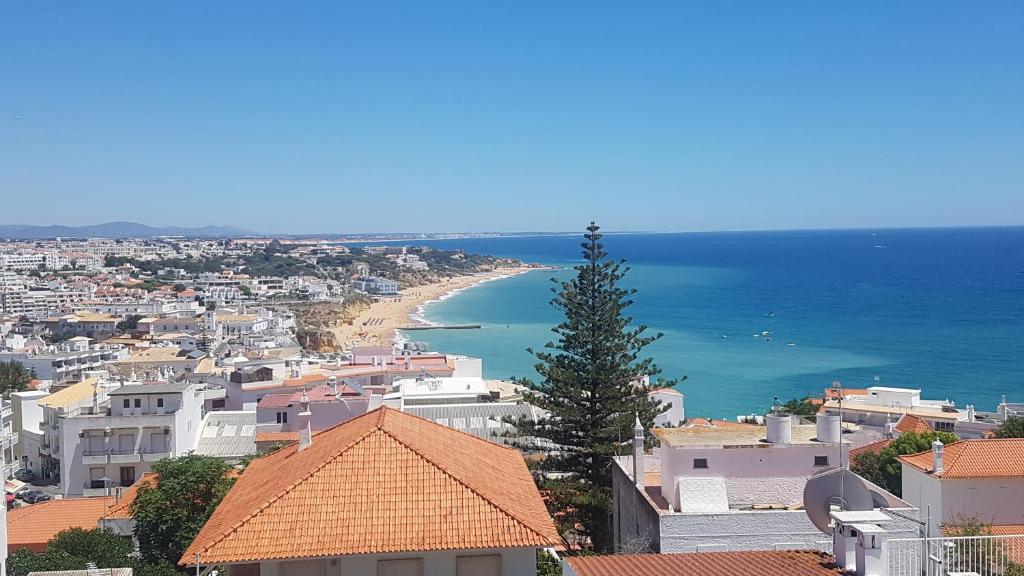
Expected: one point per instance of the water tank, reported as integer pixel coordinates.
(780, 427)
(829, 428)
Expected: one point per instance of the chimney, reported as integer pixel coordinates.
(937, 449)
(872, 559)
(779, 427)
(638, 453)
(305, 432)
(890, 429)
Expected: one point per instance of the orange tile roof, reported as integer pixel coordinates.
(34, 526)
(277, 436)
(384, 482)
(873, 447)
(911, 423)
(981, 458)
(765, 563)
(121, 510)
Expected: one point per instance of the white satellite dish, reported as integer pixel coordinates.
(835, 487)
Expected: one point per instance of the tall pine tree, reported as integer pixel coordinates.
(593, 386)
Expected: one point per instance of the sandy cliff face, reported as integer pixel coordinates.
(315, 323)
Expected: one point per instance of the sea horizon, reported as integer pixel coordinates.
(785, 315)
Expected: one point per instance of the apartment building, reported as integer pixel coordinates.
(67, 360)
(99, 434)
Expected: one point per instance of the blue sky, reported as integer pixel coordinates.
(528, 115)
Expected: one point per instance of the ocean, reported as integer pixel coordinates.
(937, 309)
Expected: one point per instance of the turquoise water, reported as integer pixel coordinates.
(939, 310)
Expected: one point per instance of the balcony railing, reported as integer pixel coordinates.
(976, 555)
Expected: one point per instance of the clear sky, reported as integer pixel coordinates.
(525, 115)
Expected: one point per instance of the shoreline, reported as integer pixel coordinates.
(379, 325)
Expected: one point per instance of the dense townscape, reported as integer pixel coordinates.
(167, 407)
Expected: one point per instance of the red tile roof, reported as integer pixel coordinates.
(122, 508)
(34, 526)
(384, 482)
(982, 458)
(277, 437)
(911, 423)
(876, 447)
(763, 563)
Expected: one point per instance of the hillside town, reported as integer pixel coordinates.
(360, 454)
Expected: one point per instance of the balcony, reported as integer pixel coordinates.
(124, 458)
(94, 458)
(155, 456)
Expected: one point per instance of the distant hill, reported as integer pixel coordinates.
(117, 230)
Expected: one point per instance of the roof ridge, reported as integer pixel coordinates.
(491, 502)
(266, 504)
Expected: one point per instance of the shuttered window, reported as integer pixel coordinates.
(402, 567)
(478, 565)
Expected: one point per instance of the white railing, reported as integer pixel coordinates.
(959, 555)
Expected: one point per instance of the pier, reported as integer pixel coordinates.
(441, 327)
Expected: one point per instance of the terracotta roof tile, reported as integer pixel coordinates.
(873, 447)
(911, 423)
(982, 458)
(121, 510)
(277, 436)
(349, 493)
(764, 563)
(34, 526)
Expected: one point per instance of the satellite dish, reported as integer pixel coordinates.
(835, 487)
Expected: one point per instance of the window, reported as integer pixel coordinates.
(944, 426)
(138, 402)
(217, 404)
(159, 402)
(489, 565)
(821, 460)
(403, 567)
(127, 403)
(282, 417)
(700, 462)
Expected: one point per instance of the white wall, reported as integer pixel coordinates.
(515, 562)
(676, 412)
(923, 490)
(773, 474)
(991, 500)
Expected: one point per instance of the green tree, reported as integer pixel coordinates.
(870, 465)
(593, 386)
(170, 511)
(1013, 427)
(801, 407)
(14, 377)
(548, 565)
(73, 549)
(886, 467)
(130, 323)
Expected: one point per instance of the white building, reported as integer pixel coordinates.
(882, 404)
(671, 399)
(717, 485)
(68, 360)
(99, 434)
(970, 479)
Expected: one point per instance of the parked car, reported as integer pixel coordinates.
(25, 475)
(29, 496)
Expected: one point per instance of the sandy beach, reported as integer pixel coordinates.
(376, 325)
